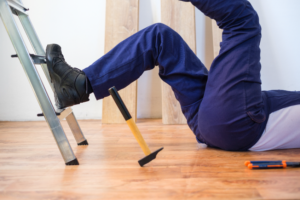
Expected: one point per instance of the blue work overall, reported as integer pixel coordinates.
(225, 107)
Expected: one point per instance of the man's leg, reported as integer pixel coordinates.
(155, 45)
(231, 115)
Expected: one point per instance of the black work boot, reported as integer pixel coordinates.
(69, 83)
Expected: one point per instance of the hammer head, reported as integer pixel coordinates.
(149, 158)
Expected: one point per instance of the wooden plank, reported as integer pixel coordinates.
(180, 16)
(31, 166)
(121, 22)
(217, 37)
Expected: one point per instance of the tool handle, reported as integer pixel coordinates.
(134, 129)
(138, 136)
(267, 166)
(115, 95)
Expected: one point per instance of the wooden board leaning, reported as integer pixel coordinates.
(180, 16)
(122, 20)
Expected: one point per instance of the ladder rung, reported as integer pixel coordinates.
(61, 114)
(42, 114)
(37, 59)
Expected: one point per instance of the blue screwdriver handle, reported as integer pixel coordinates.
(267, 166)
(263, 162)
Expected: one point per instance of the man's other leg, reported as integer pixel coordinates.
(231, 115)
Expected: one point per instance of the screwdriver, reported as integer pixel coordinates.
(271, 164)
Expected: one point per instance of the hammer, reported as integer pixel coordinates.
(134, 129)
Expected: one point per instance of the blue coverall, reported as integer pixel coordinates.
(225, 107)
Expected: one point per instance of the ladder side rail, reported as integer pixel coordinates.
(76, 130)
(35, 42)
(36, 84)
(74, 126)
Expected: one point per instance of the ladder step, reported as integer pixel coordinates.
(63, 113)
(37, 59)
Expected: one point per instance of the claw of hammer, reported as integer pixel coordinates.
(149, 158)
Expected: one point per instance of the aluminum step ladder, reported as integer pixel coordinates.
(28, 61)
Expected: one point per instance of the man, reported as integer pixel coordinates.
(225, 108)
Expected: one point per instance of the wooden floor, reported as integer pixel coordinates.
(31, 166)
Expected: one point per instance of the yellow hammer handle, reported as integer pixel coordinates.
(138, 136)
(136, 132)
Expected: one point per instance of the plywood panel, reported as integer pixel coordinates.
(180, 16)
(217, 37)
(121, 22)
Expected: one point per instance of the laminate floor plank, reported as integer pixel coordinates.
(31, 166)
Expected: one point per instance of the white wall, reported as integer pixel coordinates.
(280, 46)
(149, 84)
(79, 28)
